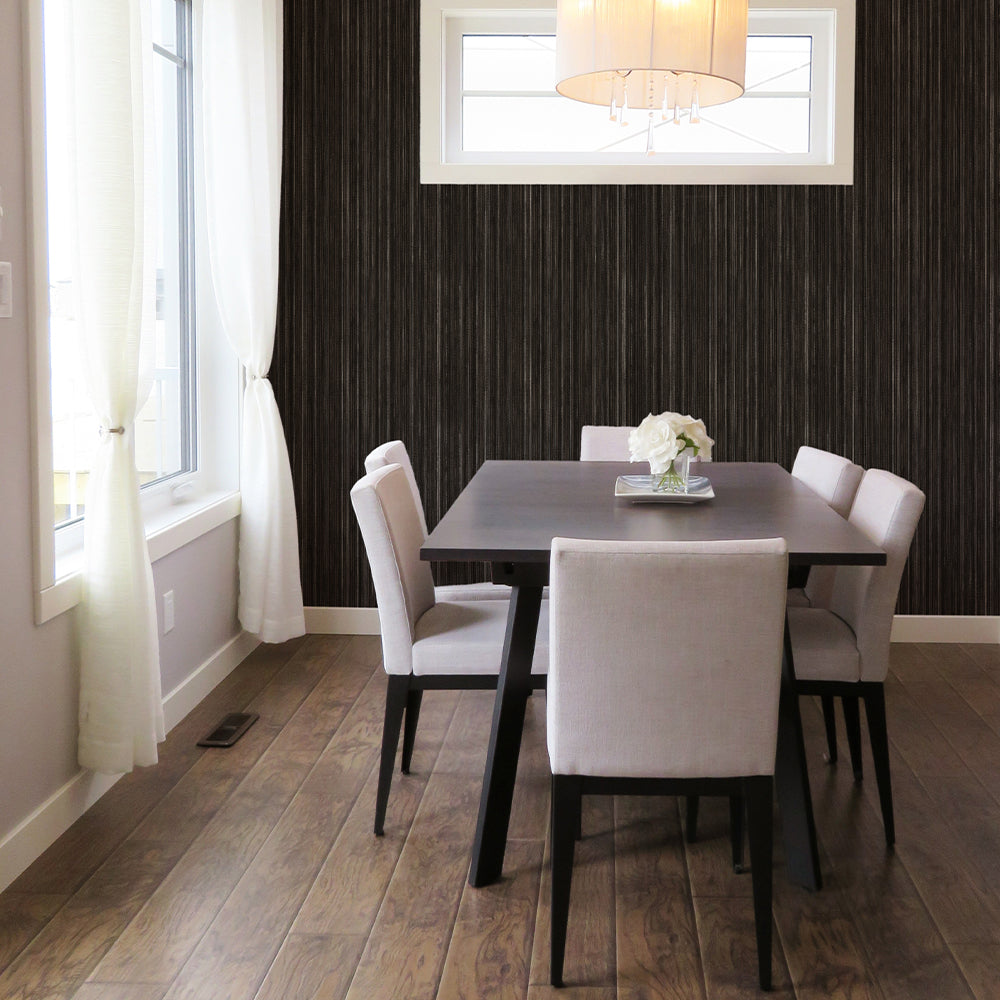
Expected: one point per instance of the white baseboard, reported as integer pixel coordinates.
(37, 832)
(30, 838)
(905, 628)
(193, 689)
(342, 621)
(946, 628)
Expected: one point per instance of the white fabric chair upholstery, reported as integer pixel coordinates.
(606, 443)
(394, 453)
(844, 650)
(642, 702)
(424, 644)
(601, 443)
(836, 480)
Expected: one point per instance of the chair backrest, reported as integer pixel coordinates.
(392, 533)
(887, 510)
(836, 480)
(604, 444)
(395, 453)
(638, 686)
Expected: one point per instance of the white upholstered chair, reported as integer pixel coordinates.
(843, 650)
(606, 443)
(836, 480)
(601, 443)
(394, 453)
(426, 644)
(639, 703)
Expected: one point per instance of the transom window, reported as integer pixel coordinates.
(499, 119)
(507, 108)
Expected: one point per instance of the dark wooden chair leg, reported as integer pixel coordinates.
(759, 794)
(413, 699)
(874, 695)
(565, 810)
(852, 723)
(691, 818)
(830, 722)
(737, 808)
(395, 705)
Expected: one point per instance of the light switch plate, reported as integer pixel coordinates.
(168, 612)
(6, 290)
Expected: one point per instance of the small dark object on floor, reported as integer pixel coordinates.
(229, 730)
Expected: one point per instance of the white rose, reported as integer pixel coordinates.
(654, 441)
(695, 430)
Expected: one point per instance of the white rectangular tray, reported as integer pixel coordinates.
(640, 490)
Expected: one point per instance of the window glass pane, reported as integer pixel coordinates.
(509, 62)
(159, 427)
(165, 24)
(541, 124)
(164, 425)
(74, 427)
(776, 62)
(535, 124)
(775, 125)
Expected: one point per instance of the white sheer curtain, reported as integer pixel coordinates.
(121, 712)
(241, 106)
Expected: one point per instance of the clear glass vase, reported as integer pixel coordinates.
(677, 476)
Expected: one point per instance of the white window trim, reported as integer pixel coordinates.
(436, 16)
(182, 508)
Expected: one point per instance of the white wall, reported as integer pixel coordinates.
(38, 664)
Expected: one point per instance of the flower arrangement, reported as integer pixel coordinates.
(663, 439)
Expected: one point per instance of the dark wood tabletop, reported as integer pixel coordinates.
(511, 511)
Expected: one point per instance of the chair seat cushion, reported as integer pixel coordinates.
(823, 646)
(476, 592)
(796, 598)
(466, 637)
(472, 592)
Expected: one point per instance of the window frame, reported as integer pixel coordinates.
(442, 24)
(177, 508)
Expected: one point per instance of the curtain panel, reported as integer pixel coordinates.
(121, 712)
(241, 65)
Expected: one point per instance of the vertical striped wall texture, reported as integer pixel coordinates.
(492, 322)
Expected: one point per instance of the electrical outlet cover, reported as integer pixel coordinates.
(6, 290)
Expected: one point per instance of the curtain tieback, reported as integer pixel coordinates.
(112, 430)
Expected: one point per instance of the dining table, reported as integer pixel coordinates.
(508, 515)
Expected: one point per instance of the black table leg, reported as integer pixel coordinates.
(513, 688)
(792, 784)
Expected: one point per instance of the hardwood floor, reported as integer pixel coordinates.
(252, 872)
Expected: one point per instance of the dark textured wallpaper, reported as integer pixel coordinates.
(492, 322)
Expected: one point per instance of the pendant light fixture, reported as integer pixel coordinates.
(663, 56)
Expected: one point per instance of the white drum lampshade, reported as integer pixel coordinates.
(651, 53)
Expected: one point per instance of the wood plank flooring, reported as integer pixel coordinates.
(252, 873)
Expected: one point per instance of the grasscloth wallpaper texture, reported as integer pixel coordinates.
(492, 322)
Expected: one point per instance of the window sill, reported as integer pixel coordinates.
(437, 172)
(167, 531)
